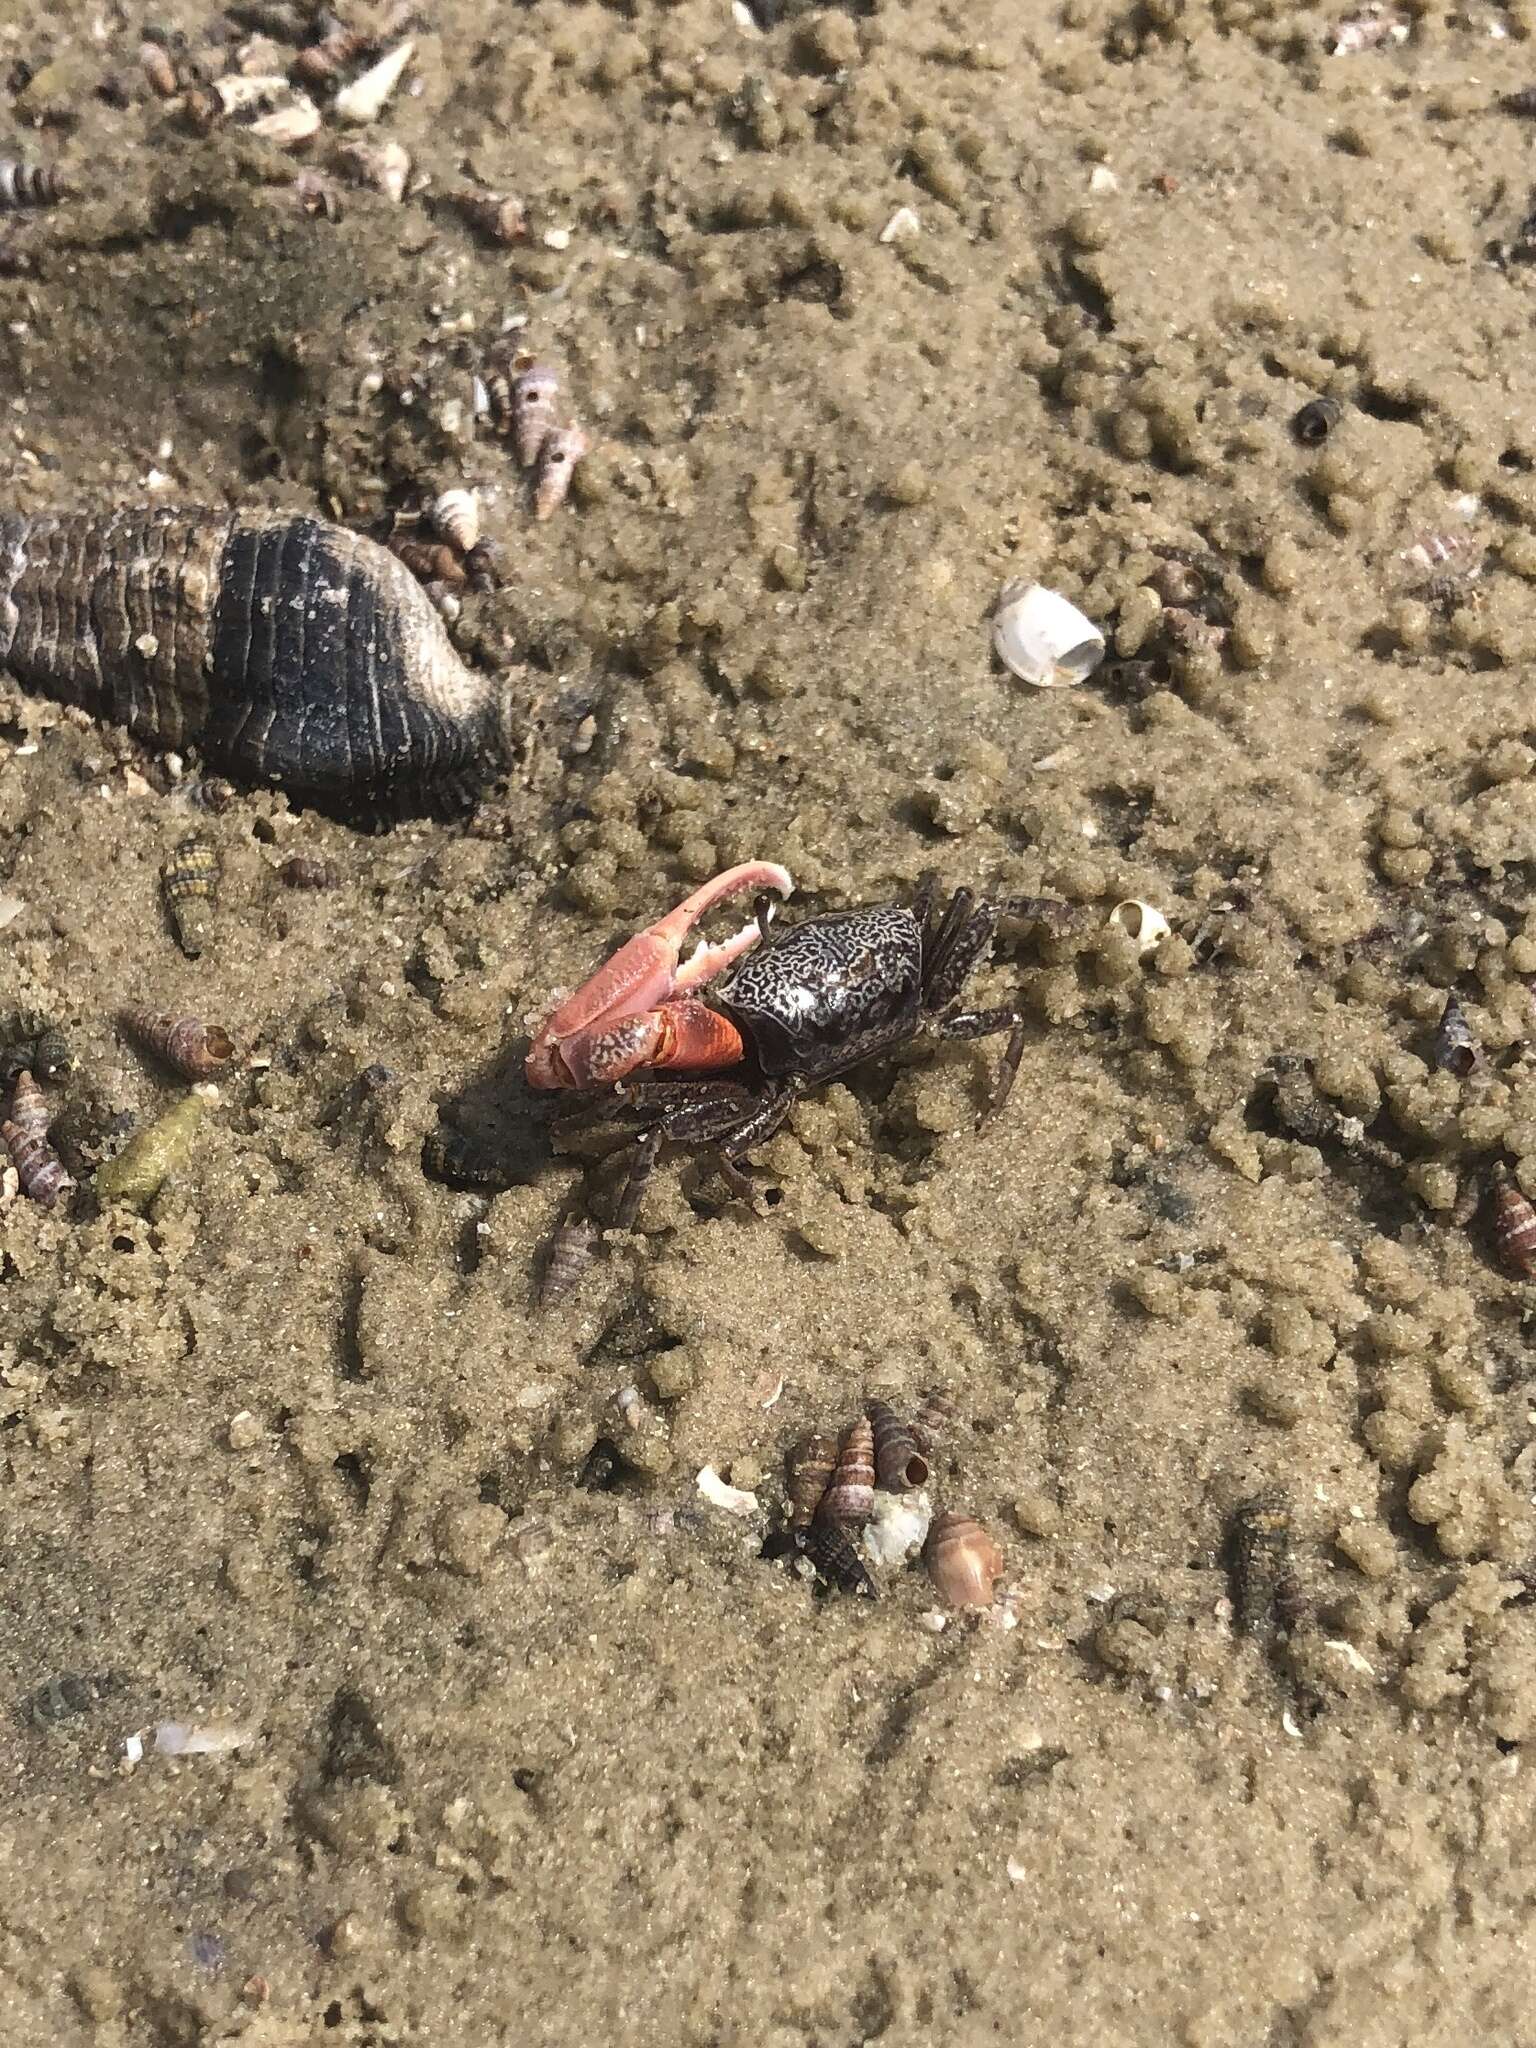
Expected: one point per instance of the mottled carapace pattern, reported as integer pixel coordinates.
(290, 651)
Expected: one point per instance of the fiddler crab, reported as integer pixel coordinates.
(804, 1006)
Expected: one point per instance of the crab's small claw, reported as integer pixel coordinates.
(585, 1039)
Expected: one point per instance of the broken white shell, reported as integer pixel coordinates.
(386, 167)
(1043, 639)
(898, 1527)
(734, 1499)
(363, 100)
(1141, 922)
(210, 1738)
(247, 95)
(289, 126)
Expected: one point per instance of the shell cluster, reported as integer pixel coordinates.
(859, 1498)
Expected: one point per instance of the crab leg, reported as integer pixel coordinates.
(644, 972)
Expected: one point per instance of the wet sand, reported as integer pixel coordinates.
(539, 1746)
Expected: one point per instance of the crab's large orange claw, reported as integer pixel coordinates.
(600, 1033)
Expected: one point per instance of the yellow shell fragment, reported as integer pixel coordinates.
(148, 1159)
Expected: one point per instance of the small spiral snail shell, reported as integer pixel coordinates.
(963, 1561)
(830, 1549)
(24, 1138)
(899, 1462)
(570, 1251)
(1454, 1049)
(195, 1050)
(811, 1463)
(532, 400)
(190, 880)
(28, 185)
(159, 72)
(850, 1497)
(1514, 1227)
(1260, 1539)
(558, 456)
(1316, 420)
(30, 1113)
(39, 1048)
(456, 516)
(306, 871)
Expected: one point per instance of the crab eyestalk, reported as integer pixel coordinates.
(610, 1026)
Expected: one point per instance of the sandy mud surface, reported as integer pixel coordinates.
(536, 1746)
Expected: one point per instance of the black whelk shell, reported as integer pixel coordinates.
(291, 651)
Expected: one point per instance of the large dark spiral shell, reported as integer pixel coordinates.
(290, 651)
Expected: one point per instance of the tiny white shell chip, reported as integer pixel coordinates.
(1043, 639)
(1142, 922)
(211, 1738)
(363, 100)
(1351, 1655)
(898, 1527)
(733, 1499)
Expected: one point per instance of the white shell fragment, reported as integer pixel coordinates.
(386, 167)
(733, 1499)
(1142, 922)
(898, 1527)
(289, 127)
(902, 222)
(363, 100)
(247, 95)
(210, 1738)
(1043, 639)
